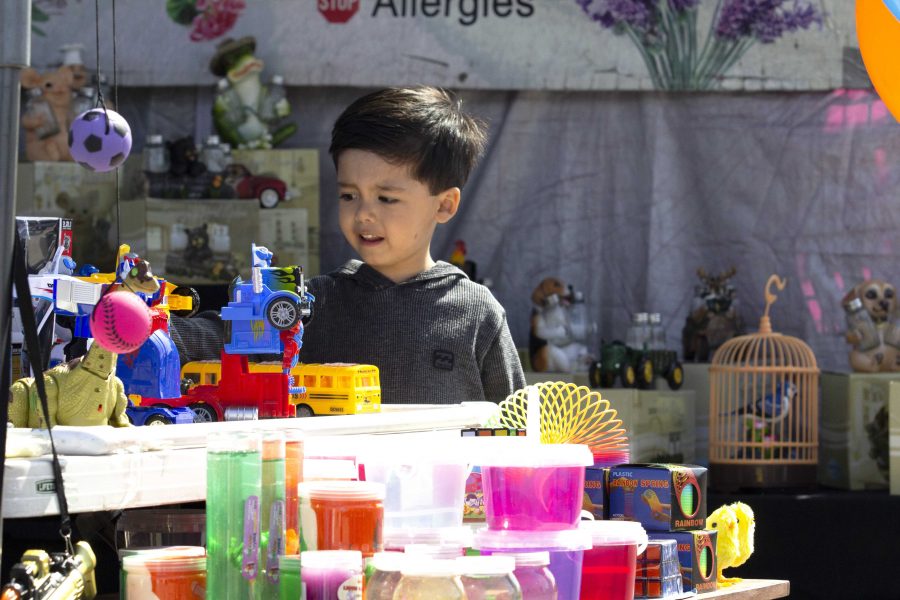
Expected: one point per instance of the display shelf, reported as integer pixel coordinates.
(661, 423)
(108, 469)
(753, 589)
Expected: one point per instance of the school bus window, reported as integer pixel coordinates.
(211, 379)
(362, 381)
(195, 377)
(309, 381)
(327, 381)
(344, 381)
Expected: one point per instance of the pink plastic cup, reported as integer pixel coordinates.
(534, 487)
(608, 568)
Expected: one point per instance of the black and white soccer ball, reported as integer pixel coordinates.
(98, 144)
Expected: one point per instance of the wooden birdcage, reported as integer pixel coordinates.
(763, 409)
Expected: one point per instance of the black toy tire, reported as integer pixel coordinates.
(675, 376)
(184, 290)
(157, 420)
(645, 374)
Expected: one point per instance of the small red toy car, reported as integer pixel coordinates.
(269, 190)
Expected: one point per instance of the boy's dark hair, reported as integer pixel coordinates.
(423, 127)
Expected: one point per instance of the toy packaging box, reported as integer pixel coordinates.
(853, 440)
(696, 555)
(473, 501)
(42, 238)
(661, 497)
(595, 491)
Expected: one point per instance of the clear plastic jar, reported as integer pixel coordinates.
(489, 578)
(427, 579)
(385, 568)
(533, 573)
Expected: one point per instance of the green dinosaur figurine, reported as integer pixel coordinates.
(84, 391)
(247, 114)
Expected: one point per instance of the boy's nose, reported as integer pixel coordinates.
(365, 213)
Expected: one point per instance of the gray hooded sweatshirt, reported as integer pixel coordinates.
(437, 338)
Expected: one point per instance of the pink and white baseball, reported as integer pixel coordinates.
(120, 322)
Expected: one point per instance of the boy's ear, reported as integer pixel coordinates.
(449, 204)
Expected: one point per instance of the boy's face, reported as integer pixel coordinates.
(388, 216)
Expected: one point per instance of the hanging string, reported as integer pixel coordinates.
(115, 81)
(102, 103)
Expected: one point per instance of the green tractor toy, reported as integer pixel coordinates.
(635, 368)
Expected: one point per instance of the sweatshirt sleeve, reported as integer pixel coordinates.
(501, 370)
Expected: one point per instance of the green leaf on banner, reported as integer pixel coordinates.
(181, 11)
(39, 16)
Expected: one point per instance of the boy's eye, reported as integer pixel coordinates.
(386, 200)
(346, 197)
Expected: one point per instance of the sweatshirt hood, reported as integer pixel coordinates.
(440, 275)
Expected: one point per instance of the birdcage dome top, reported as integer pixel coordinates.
(766, 349)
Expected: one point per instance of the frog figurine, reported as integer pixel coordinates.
(246, 113)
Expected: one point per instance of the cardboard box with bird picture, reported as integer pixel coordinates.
(662, 497)
(853, 445)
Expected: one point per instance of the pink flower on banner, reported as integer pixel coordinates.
(214, 18)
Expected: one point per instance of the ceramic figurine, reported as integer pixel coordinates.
(246, 113)
(873, 326)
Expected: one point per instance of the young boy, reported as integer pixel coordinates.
(402, 156)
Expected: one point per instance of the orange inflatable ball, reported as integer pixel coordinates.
(878, 30)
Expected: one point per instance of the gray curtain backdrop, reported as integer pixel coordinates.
(625, 195)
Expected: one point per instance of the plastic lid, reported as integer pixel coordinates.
(486, 565)
(396, 452)
(388, 561)
(234, 441)
(341, 490)
(331, 559)
(529, 559)
(614, 533)
(173, 558)
(422, 566)
(442, 536)
(503, 540)
(522, 452)
(434, 550)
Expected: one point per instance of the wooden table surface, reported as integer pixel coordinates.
(752, 589)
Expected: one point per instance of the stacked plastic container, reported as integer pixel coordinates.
(532, 499)
(424, 490)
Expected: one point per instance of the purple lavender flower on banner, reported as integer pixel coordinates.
(637, 14)
(683, 5)
(665, 33)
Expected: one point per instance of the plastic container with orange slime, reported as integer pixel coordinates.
(342, 515)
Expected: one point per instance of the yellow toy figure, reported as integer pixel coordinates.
(746, 531)
(728, 545)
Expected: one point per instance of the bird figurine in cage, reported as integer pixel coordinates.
(764, 409)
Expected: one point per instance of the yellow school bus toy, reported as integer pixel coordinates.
(331, 388)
